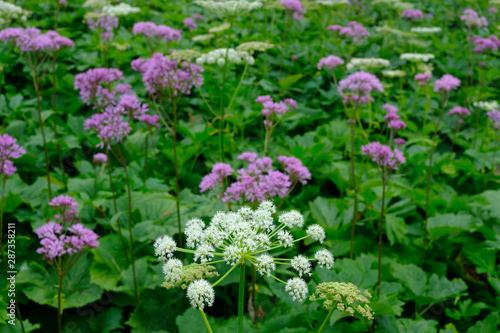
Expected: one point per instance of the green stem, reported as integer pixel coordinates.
(146, 161)
(176, 167)
(353, 182)
(221, 108)
(241, 297)
(209, 329)
(380, 232)
(54, 107)
(59, 305)
(326, 319)
(131, 235)
(238, 87)
(225, 275)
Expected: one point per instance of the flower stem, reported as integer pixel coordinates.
(380, 232)
(209, 329)
(131, 235)
(225, 275)
(59, 305)
(241, 297)
(54, 107)
(146, 161)
(176, 167)
(221, 107)
(354, 188)
(326, 319)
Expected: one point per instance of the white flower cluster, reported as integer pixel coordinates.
(10, 12)
(219, 57)
(417, 57)
(486, 105)
(96, 3)
(426, 30)
(254, 46)
(394, 73)
(220, 28)
(229, 8)
(237, 237)
(367, 63)
(389, 30)
(122, 9)
(396, 4)
(202, 38)
(332, 2)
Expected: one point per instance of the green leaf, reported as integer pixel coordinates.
(289, 81)
(396, 228)
(411, 276)
(16, 101)
(325, 212)
(442, 288)
(446, 224)
(107, 321)
(489, 324)
(109, 262)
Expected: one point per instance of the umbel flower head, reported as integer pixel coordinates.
(32, 39)
(353, 29)
(219, 57)
(357, 87)
(383, 155)
(229, 8)
(237, 237)
(345, 297)
(446, 83)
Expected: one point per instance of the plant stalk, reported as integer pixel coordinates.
(241, 297)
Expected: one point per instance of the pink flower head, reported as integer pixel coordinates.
(130, 105)
(271, 108)
(493, 10)
(391, 112)
(190, 23)
(353, 29)
(123, 88)
(460, 111)
(150, 120)
(162, 32)
(100, 159)
(423, 78)
(258, 182)
(358, 86)
(331, 62)
(32, 39)
(494, 116)
(197, 17)
(399, 141)
(294, 6)
(383, 155)
(396, 125)
(447, 82)
(93, 85)
(109, 126)
(294, 57)
(160, 73)
(9, 149)
(66, 206)
(295, 169)
(413, 14)
(471, 18)
(480, 44)
(56, 243)
(105, 25)
(219, 173)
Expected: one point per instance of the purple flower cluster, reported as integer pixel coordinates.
(100, 159)
(331, 62)
(423, 78)
(357, 87)
(383, 155)
(393, 118)
(32, 39)
(472, 19)
(413, 14)
(494, 116)
(9, 149)
(94, 85)
(190, 23)
(161, 74)
(258, 182)
(447, 82)
(481, 44)
(56, 242)
(295, 169)
(217, 176)
(460, 111)
(163, 32)
(294, 6)
(272, 108)
(109, 126)
(353, 29)
(66, 206)
(105, 24)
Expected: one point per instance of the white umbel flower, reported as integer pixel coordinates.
(486, 105)
(194, 232)
(172, 270)
(122, 9)
(302, 265)
(204, 252)
(268, 205)
(284, 237)
(297, 288)
(316, 232)
(367, 63)
(265, 264)
(417, 57)
(324, 258)
(229, 8)
(10, 12)
(164, 247)
(426, 30)
(200, 294)
(292, 219)
(219, 56)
